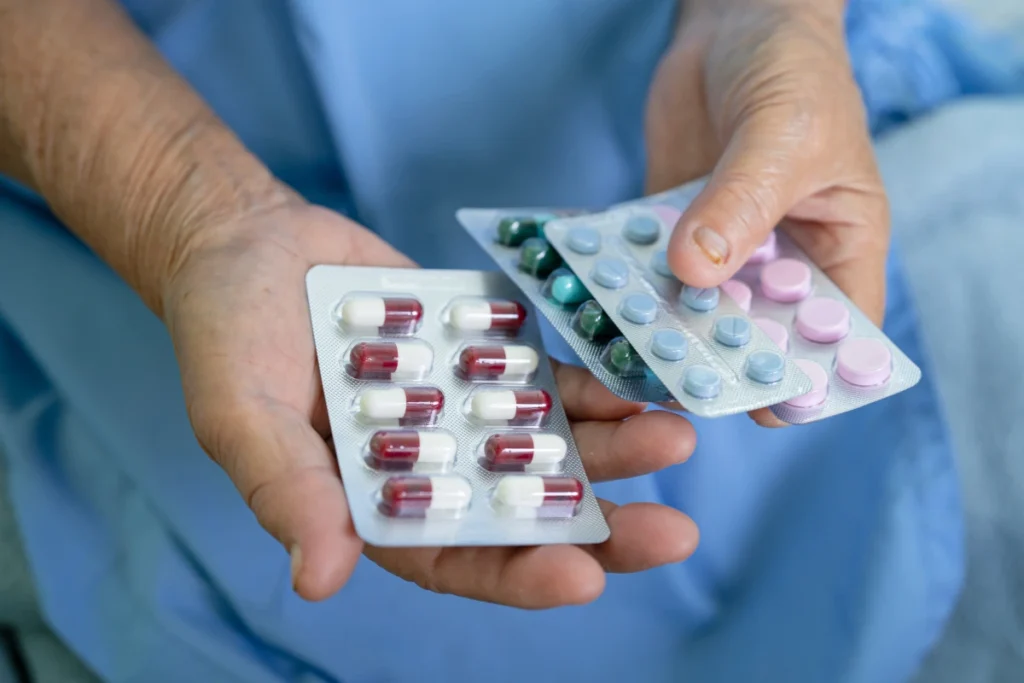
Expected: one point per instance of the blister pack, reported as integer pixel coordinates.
(444, 412)
(849, 361)
(701, 345)
(514, 238)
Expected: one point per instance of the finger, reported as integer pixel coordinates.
(585, 398)
(286, 473)
(536, 577)
(755, 183)
(764, 417)
(642, 444)
(644, 535)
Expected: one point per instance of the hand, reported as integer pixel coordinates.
(237, 313)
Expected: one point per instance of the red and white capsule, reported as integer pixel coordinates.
(528, 406)
(497, 363)
(536, 496)
(405, 496)
(411, 449)
(404, 405)
(386, 314)
(390, 360)
(523, 451)
(483, 315)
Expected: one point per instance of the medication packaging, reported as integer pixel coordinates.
(444, 412)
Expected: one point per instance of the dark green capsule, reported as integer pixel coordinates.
(593, 323)
(538, 258)
(623, 359)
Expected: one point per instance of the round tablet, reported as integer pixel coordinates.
(732, 330)
(642, 230)
(700, 299)
(864, 362)
(786, 280)
(819, 385)
(823, 320)
(768, 251)
(701, 381)
(612, 273)
(659, 264)
(738, 292)
(777, 332)
(641, 309)
(669, 345)
(669, 215)
(584, 240)
(766, 367)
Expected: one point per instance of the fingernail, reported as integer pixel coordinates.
(296, 553)
(714, 246)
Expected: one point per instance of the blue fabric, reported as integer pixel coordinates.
(830, 552)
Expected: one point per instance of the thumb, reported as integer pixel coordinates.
(287, 474)
(753, 186)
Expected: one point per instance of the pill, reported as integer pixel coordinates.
(611, 273)
(669, 215)
(389, 315)
(593, 323)
(503, 451)
(819, 385)
(623, 359)
(777, 332)
(532, 495)
(702, 382)
(497, 363)
(641, 230)
(732, 330)
(786, 280)
(823, 320)
(766, 367)
(514, 230)
(583, 240)
(538, 258)
(700, 299)
(404, 448)
(407, 496)
(659, 264)
(408, 405)
(506, 405)
(481, 315)
(567, 289)
(864, 362)
(768, 251)
(639, 308)
(739, 292)
(669, 345)
(390, 360)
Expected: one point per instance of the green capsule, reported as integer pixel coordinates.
(593, 323)
(567, 289)
(623, 359)
(538, 258)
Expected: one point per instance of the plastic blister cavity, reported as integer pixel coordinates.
(848, 360)
(426, 423)
(397, 314)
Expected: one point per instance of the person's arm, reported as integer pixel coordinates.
(122, 149)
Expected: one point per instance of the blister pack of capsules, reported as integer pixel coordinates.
(848, 359)
(514, 238)
(444, 412)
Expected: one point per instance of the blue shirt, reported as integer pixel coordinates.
(829, 552)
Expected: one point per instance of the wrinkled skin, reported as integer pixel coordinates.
(765, 99)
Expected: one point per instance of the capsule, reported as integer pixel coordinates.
(504, 405)
(481, 315)
(389, 315)
(497, 363)
(404, 449)
(405, 496)
(390, 360)
(536, 496)
(513, 451)
(407, 405)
